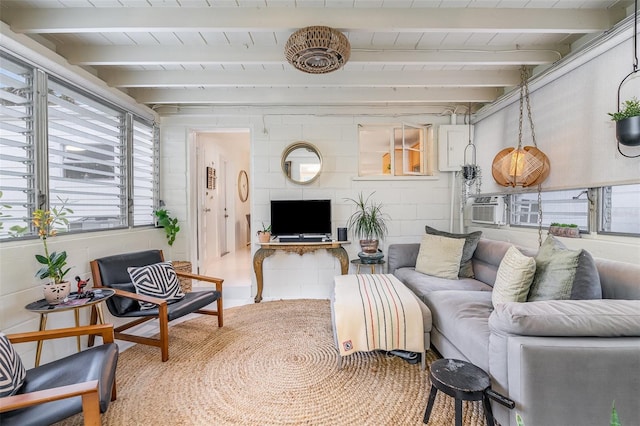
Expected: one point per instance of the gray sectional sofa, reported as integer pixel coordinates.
(563, 362)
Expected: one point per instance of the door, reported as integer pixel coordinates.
(223, 213)
(207, 201)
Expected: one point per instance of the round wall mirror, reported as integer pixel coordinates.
(301, 163)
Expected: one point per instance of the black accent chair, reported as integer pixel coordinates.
(112, 272)
(80, 383)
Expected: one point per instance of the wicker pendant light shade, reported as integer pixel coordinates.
(317, 50)
(521, 166)
(524, 167)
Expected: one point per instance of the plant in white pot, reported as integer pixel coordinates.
(47, 224)
(368, 224)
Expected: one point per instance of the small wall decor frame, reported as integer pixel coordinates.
(211, 178)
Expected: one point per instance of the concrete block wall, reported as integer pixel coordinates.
(410, 203)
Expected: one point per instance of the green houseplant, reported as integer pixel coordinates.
(368, 222)
(47, 224)
(264, 234)
(170, 225)
(569, 230)
(628, 122)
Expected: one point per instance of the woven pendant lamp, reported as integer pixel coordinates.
(317, 50)
(521, 166)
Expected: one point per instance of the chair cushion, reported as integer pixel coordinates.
(470, 244)
(191, 302)
(96, 363)
(440, 256)
(12, 371)
(157, 280)
(514, 278)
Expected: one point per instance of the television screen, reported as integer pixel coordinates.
(294, 217)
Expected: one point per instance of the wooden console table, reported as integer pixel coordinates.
(268, 249)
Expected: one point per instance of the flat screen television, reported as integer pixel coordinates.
(295, 217)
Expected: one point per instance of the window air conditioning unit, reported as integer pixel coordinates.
(489, 210)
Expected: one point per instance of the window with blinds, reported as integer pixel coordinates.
(145, 172)
(87, 158)
(17, 161)
(73, 148)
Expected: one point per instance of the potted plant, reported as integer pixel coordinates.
(569, 230)
(170, 225)
(628, 122)
(264, 234)
(47, 224)
(368, 223)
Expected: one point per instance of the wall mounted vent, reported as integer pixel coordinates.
(489, 210)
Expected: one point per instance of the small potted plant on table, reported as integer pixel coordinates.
(368, 223)
(264, 234)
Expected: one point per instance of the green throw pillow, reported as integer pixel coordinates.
(470, 244)
(555, 270)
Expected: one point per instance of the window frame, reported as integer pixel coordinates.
(37, 186)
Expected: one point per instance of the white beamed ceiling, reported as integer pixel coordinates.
(404, 52)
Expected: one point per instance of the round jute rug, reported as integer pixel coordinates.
(273, 363)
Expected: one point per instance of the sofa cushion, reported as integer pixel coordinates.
(422, 284)
(575, 318)
(514, 277)
(555, 270)
(440, 256)
(470, 244)
(586, 284)
(157, 280)
(557, 273)
(462, 317)
(12, 371)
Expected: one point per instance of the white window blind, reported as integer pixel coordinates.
(87, 158)
(17, 162)
(145, 172)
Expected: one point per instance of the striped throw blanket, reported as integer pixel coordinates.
(376, 312)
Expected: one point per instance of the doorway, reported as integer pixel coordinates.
(221, 213)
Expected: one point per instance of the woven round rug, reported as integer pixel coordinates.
(273, 363)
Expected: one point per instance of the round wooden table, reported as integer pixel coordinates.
(75, 302)
(463, 381)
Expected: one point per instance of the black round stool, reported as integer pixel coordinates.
(463, 381)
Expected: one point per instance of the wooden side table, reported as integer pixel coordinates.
(74, 302)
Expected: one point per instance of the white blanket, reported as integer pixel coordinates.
(376, 312)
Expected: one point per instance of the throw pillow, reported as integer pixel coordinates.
(440, 256)
(12, 371)
(470, 244)
(557, 273)
(157, 280)
(514, 277)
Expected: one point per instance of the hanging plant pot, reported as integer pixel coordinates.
(628, 131)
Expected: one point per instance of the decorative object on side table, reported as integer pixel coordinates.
(264, 234)
(564, 230)
(170, 224)
(368, 223)
(48, 223)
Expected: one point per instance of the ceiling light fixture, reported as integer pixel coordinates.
(317, 49)
(521, 166)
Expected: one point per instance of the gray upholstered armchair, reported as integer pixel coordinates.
(82, 382)
(112, 272)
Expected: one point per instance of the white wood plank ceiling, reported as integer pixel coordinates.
(231, 52)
